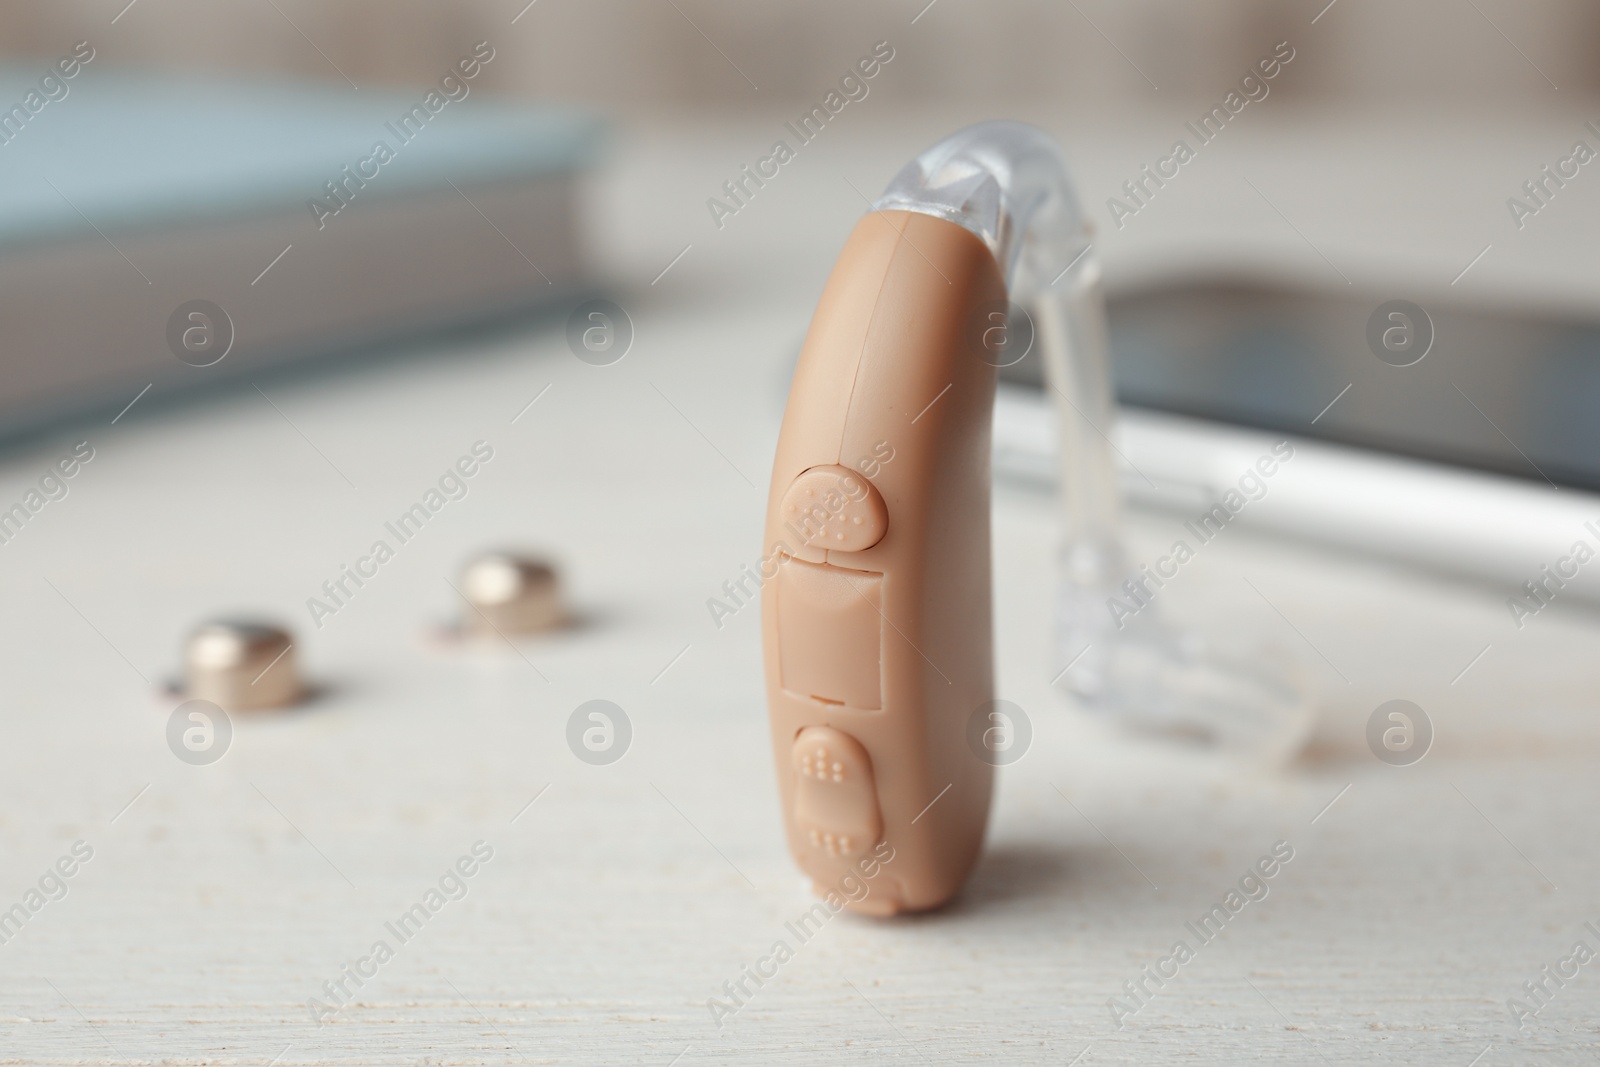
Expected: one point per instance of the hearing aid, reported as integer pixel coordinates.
(877, 625)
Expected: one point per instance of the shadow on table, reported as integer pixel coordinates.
(1032, 873)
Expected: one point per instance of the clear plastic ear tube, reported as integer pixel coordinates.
(1006, 183)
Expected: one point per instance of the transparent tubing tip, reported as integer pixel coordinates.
(1007, 184)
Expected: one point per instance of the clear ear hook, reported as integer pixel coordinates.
(1006, 183)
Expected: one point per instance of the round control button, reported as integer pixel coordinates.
(835, 508)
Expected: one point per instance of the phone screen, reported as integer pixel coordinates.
(1504, 391)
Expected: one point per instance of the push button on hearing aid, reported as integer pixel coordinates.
(835, 798)
(835, 508)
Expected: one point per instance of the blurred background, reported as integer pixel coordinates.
(1384, 161)
(637, 59)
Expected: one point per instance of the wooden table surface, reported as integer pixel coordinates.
(619, 899)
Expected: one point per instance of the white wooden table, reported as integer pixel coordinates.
(220, 899)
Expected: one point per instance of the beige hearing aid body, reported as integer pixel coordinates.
(876, 628)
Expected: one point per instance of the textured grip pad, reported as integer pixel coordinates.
(835, 799)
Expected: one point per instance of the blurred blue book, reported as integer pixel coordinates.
(171, 232)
